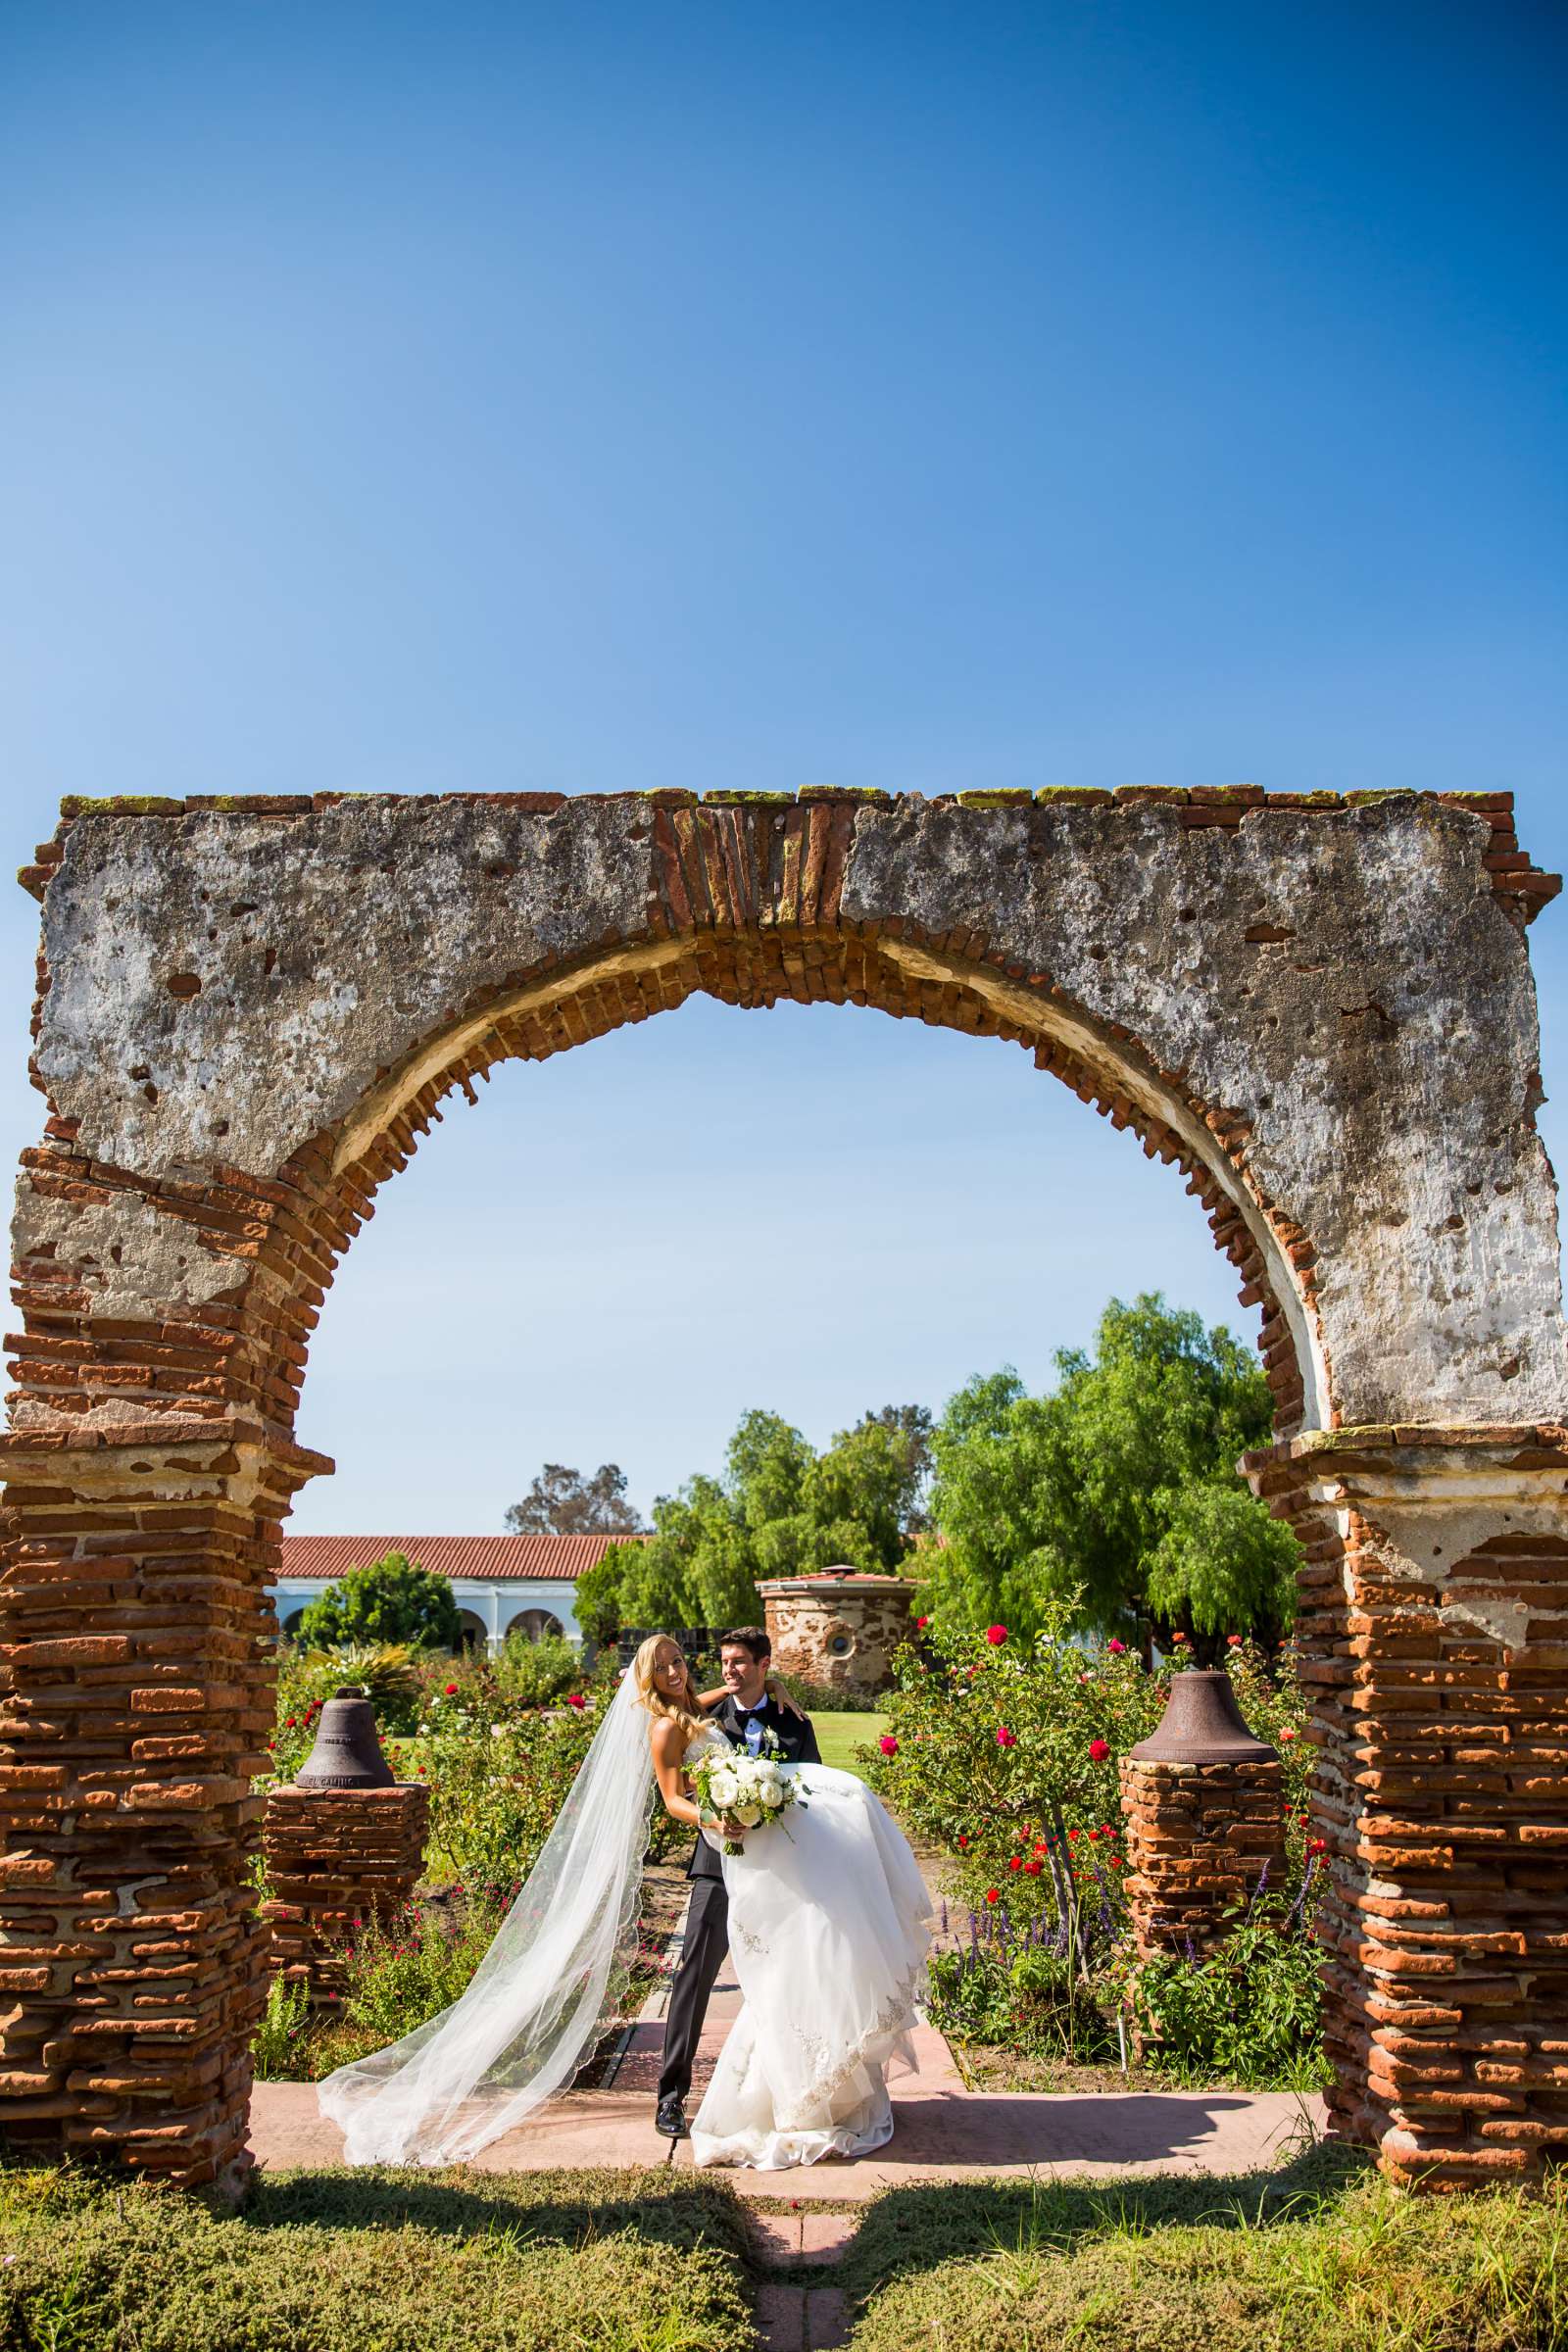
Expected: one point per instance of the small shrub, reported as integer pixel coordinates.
(826, 1698)
(285, 2023)
(498, 1777)
(1029, 1997)
(393, 1600)
(1252, 2012)
(533, 1674)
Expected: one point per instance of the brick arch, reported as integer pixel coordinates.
(550, 1010)
(1319, 1010)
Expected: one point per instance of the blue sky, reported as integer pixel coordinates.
(926, 397)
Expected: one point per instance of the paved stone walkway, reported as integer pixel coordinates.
(944, 2133)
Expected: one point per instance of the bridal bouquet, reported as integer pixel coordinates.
(749, 1790)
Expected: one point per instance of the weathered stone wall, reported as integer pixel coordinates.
(1325, 1006)
(838, 1628)
(1320, 1011)
(336, 1860)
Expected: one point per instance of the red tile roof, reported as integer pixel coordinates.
(509, 1559)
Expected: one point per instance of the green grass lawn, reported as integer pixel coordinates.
(1318, 2257)
(375, 2262)
(839, 1736)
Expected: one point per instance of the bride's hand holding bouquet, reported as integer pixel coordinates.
(737, 1792)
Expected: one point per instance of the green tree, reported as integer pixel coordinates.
(394, 1600)
(1074, 1492)
(1223, 1566)
(779, 1509)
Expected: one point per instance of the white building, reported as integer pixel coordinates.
(501, 1583)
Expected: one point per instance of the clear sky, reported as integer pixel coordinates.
(497, 396)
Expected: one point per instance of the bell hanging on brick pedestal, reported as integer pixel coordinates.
(1202, 1724)
(348, 1751)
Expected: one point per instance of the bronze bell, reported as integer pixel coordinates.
(348, 1752)
(1202, 1724)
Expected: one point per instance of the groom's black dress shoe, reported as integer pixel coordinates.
(670, 2118)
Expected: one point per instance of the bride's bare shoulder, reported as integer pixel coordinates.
(666, 1738)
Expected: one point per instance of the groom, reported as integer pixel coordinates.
(744, 1714)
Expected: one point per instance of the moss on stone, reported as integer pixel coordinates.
(1001, 797)
(747, 800)
(120, 803)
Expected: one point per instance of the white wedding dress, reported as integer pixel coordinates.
(829, 1927)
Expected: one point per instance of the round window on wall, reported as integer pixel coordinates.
(840, 1645)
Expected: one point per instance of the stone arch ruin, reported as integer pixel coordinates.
(1320, 1009)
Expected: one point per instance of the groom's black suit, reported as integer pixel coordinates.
(708, 1920)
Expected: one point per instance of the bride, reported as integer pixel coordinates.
(829, 1927)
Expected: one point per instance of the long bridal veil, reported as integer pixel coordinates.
(542, 1990)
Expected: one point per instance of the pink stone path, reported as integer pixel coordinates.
(944, 2133)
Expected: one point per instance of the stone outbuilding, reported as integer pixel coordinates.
(840, 1628)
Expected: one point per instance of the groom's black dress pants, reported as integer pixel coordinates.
(701, 1954)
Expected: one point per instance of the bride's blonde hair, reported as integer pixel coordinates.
(689, 1715)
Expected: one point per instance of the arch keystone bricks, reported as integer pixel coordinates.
(1318, 1009)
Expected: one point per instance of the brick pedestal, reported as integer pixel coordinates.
(336, 1857)
(139, 1637)
(1198, 1840)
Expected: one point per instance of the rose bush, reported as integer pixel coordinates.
(1005, 1755)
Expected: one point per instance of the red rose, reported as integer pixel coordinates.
(1041, 1847)
(1098, 1751)
(452, 1691)
(993, 1894)
(1031, 1870)
(1105, 1829)
(289, 1725)
(995, 1635)
(1178, 1636)
(1016, 1862)
(1114, 1647)
(576, 1700)
(1317, 1846)
(963, 1841)
(888, 1744)
(1115, 1861)
(1005, 1738)
(1287, 1734)
(1233, 1640)
(920, 1623)
(1073, 1837)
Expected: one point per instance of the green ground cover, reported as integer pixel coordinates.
(839, 1736)
(1320, 2257)
(375, 2262)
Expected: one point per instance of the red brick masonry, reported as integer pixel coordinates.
(1199, 1837)
(336, 1858)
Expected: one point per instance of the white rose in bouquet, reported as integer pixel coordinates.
(723, 1790)
(748, 1816)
